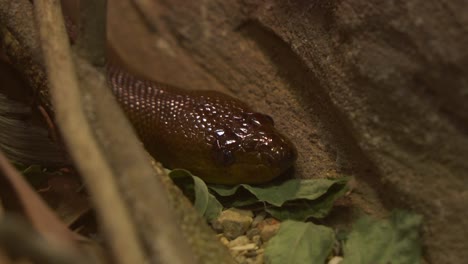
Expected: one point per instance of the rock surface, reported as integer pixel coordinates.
(233, 222)
(369, 88)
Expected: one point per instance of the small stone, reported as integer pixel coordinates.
(224, 240)
(267, 221)
(335, 260)
(217, 227)
(251, 253)
(240, 241)
(233, 222)
(252, 232)
(259, 259)
(257, 240)
(258, 218)
(240, 259)
(245, 248)
(268, 231)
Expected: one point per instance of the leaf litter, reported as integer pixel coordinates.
(395, 239)
(294, 239)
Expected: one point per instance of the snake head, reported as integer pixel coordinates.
(213, 135)
(251, 150)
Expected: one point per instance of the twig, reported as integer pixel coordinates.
(20, 240)
(17, 194)
(141, 189)
(116, 221)
(140, 186)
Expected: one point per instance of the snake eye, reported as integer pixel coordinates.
(261, 119)
(226, 142)
(270, 119)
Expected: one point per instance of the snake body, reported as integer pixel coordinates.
(213, 135)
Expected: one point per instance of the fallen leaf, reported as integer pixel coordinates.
(293, 199)
(395, 240)
(298, 242)
(196, 189)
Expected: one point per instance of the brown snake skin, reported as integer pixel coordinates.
(213, 135)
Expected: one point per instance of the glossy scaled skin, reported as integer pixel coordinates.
(215, 136)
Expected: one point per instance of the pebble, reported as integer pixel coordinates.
(240, 259)
(248, 247)
(223, 240)
(251, 253)
(252, 232)
(239, 241)
(335, 260)
(257, 260)
(245, 234)
(268, 231)
(233, 222)
(267, 221)
(257, 240)
(258, 219)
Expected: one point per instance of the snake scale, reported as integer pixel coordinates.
(213, 135)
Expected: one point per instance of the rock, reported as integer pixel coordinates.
(258, 218)
(216, 225)
(234, 222)
(268, 231)
(335, 260)
(239, 241)
(240, 259)
(257, 240)
(252, 253)
(223, 240)
(258, 259)
(245, 249)
(252, 232)
(267, 221)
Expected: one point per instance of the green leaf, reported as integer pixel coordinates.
(395, 240)
(298, 242)
(292, 199)
(289, 190)
(196, 189)
(302, 210)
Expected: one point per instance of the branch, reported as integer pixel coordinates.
(142, 190)
(65, 92)
(20, 240)
(147, 192)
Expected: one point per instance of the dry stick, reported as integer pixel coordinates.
(34, 209)
(141, 189)
(116, 221)
(19, 239)
(196, 232)
(140, 185)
